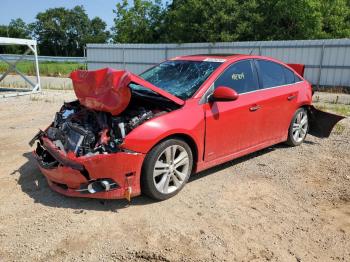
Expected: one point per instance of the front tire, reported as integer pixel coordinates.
(298, 128)
(166, 169)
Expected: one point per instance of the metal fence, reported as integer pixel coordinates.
(327, 62)
(12, 57)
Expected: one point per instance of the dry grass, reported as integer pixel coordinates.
(339, 129)
(334, 108)
(332, 89)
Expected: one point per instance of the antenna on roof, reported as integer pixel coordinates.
(251, 51)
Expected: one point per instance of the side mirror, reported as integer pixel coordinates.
(223, 93)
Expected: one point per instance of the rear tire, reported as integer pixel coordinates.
(298, 128)
(166, 169)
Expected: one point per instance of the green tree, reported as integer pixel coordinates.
(230, 20)
(211, 20)
(4, 31)
(77, 30)
(140, 23)
(97, 31)
(51, 31)
(336, 18)
(65, 32)
(289, 19)
(239, 20)
(17, 28)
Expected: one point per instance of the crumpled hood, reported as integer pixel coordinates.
(108, 89)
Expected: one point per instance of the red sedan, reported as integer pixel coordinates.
(128, 134)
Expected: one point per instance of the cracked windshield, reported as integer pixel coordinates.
(179, 78)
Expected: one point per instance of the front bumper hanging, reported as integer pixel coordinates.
(106, 176)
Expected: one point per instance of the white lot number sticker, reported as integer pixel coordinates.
(238, 76)
(220, 60)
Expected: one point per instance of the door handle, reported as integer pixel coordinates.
(291, 97)
(254, 108)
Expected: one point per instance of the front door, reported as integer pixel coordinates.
(233, 126)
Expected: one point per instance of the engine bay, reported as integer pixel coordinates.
(110, 104)
(87, 132)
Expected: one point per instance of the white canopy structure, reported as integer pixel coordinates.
(32, 48)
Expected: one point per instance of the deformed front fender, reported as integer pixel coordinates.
(322, 123)
(188, 121)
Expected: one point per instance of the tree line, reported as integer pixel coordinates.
(59, 31)
(65, 32)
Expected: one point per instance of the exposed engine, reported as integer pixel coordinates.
(85, 131)
(111, 103)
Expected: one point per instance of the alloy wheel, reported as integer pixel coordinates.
(171, 169)
(300, 126)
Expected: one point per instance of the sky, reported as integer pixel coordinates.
(28, 9)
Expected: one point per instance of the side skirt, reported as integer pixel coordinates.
(205, 165)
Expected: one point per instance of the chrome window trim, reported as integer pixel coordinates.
(204, 99)
(273, 87)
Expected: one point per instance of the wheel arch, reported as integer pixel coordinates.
(185, 137)
(306, 106)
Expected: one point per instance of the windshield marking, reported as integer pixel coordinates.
(219, 60)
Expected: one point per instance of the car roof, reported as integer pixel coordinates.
(223, 58)
(210, 57)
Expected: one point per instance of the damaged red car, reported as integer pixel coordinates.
(129, 134)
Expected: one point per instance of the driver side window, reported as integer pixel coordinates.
(239, 76)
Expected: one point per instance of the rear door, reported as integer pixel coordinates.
(278, 97)
(233, 126)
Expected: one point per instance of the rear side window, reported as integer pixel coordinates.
(270, 74)
(289, 76)
(239, 76)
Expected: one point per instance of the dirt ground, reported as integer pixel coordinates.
(279, 204)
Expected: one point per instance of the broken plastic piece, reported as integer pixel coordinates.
(36, 137)
(128, 190)
(104, 138)
(322, 123)
(67, 113)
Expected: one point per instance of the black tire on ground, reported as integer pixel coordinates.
(148, 182)
(292, 141)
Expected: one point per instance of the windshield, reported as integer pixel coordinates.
(179, 78)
